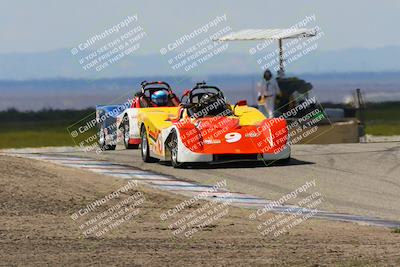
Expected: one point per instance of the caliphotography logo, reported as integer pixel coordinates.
(199, 133)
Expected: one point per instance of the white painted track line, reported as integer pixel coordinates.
(187, 188)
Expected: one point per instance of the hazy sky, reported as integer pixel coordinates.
(33, 26)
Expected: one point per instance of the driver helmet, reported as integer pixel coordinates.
(205, 98)
(160, 98)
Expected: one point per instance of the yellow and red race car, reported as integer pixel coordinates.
(206, 128)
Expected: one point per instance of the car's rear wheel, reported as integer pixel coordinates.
(126, 135)
(145, 150)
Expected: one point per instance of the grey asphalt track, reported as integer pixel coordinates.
(362, 179)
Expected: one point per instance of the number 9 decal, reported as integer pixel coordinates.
(232, 137)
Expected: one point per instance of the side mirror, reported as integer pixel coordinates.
(185, 105)
(186, 92)
(241, 103)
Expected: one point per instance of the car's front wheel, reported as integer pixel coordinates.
(102, 142)
(285, 161)
(145, 150)
(174, 151)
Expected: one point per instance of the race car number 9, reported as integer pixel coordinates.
(232, 137)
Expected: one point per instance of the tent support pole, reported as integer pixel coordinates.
(282, 71)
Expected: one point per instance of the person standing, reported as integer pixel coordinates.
(267, 95)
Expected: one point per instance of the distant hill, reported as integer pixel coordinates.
(61, 64)
(84, 93)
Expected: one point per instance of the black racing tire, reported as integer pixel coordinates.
(102, 142)
(285, 161)
(110, 147)
(173, 146)
(144, 147)
(125, 131)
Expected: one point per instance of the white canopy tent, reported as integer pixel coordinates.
(269, 34)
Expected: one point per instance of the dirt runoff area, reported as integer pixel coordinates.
(48, 214)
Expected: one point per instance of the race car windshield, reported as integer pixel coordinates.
(210, 106)
(149, 92)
